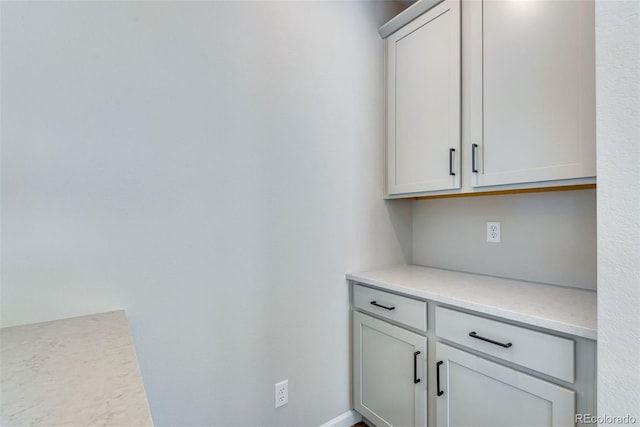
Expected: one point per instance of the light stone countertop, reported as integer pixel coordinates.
(562, 309)
(81, 371)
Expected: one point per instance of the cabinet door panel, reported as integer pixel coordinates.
(384, 388)
(534, 108)
(480, 393)
(423, 71)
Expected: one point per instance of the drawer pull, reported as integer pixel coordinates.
(440, 392)
(416, 380)
(476, 336)
(382, 306)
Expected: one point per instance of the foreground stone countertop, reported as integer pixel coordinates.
(81, 371)
(568, 310)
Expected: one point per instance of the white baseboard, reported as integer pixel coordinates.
(347, 419)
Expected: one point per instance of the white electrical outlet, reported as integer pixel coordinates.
(282, 393)
(493, 232)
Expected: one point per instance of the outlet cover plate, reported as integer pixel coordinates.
(282, 393)
(493, 232)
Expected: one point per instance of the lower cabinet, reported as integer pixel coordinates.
(480, 371)
(389, 373)
(475, 392)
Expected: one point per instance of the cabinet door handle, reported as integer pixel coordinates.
(440, 392)
(416, 380)
(382, 306)
(451, 153)
(474, 158)
(478, 337)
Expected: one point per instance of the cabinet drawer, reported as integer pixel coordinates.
(541, 352)
(400, 309)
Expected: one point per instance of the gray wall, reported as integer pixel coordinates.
(546, 237)
(618, 124)
(214, 169)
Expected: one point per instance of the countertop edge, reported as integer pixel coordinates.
(528, 319)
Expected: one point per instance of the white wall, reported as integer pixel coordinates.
(214, 169)
(546, 237)
(618, 124)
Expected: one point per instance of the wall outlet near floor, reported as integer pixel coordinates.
(493, 232)
(282, 393)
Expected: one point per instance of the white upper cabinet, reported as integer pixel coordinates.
(532, 91)
(423, 102)
(490, 95)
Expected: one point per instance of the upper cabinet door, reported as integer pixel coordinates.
(423, 102)
(532, 91)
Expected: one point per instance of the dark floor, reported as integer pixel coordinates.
(360, 425)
